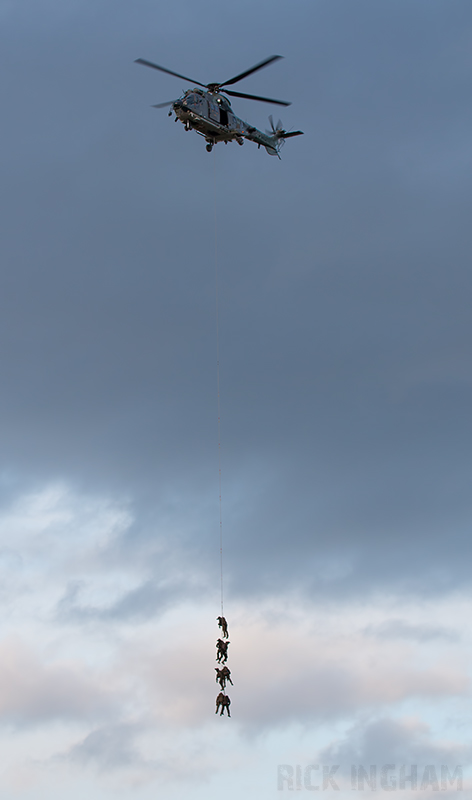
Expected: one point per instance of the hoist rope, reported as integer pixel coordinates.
(218, 386)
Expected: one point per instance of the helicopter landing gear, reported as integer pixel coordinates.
(170, 113)
(240, 141)
(209, 148)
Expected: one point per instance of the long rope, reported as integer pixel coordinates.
(218, 388)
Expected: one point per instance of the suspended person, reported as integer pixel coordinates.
(220, 677)
(227, 673)
(222, 651)
(224, 627)
(223, 675)
(223, 701)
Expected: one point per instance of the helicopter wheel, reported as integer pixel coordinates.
(209, 148)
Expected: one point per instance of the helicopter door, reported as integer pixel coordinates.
(213, 111)
(223, 116)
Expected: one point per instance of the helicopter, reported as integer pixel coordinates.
(207, 111)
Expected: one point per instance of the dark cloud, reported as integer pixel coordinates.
(108, 748)
(344, 286)
(147, 600)
(345, 352)
(387, 740)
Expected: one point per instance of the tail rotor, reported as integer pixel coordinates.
(279, 134)
(275, 130)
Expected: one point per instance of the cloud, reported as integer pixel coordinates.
(380, 753)
(341, 675)
(345, 331)
(149, 600)
(110, 747)
(395, 741)
(34, 692)
(402, 629)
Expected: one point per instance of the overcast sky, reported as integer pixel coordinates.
(345, 291)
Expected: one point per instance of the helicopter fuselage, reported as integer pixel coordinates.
(210, 115)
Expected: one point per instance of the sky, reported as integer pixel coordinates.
(345, 349)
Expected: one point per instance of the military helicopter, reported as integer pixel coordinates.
(209, 112)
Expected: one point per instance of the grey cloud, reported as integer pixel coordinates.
(109, 748)
(147, 600)
(344, 269)
(389, 740)
(333, 690)
(402, 629)
(345, 335)
(117, 748)
(33, 693)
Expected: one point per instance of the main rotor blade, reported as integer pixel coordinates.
(163, 105)
(169, 71)
(255, 97)
(292, 133)
(262, 64)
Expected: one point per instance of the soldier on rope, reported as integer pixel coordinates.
(223, 675)
(222, 651)
(224, 627)
(223, 701)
